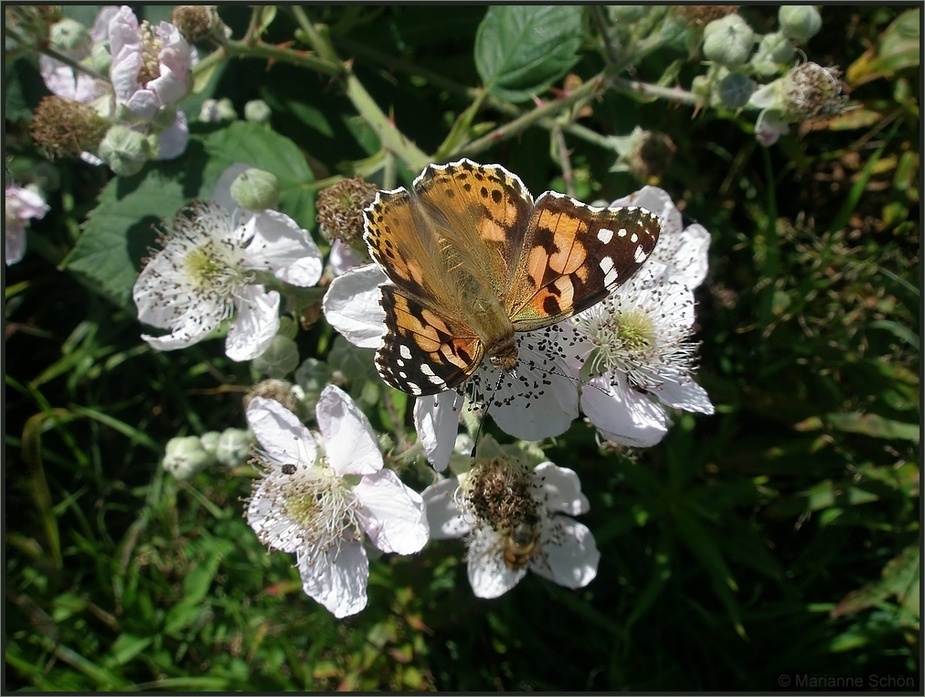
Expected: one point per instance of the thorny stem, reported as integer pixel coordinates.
(304, 59)
(565, 161)
(531, 117)
(597, 13)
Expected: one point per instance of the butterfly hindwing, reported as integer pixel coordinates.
(422, 352)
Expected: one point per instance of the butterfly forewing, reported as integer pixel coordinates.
(581, 253)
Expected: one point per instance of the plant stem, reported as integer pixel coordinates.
(303, 59)
(532, 117)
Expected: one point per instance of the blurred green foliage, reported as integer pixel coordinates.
(779, 537)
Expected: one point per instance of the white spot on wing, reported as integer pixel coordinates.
(605, 235)
(639, 255)
(610, 273)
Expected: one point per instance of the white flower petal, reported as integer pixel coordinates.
(349, 440)
(541, 399)
(392, 515)
(623, 415)
(196, 322)
(688, 396)
(352, 307)
(143, 104)
(15, 243)
(489, 576)
(281, 247)
(272, 527)
(256, 325)
(336, 578)
(67, 83)
(436, 420)
(692, 255)
(569, 556)
(447, 520)
(100, 31)
(281, 435)
(342, 257)
(171, 142)
(560, 489)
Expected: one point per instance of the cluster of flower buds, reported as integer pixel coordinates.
(115, 89)
(740, 60)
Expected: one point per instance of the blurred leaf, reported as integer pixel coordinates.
(900, 579)
(899, 330)
(195, 587)
(899, 47)
(126, 647)
(874, 425)
(522, 50)
(38, 484)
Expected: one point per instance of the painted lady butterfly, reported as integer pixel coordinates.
(472, 260)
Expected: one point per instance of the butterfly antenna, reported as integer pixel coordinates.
(579, 380)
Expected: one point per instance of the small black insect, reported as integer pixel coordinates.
(288, 469)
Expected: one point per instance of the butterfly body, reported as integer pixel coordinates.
(472, 260)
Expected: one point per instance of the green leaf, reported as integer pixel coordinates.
(520, 51)
(125, 648)
(120, 230)
(874, 426)
(197, 582)
(899, 47)
(900, 331)
(899, 578)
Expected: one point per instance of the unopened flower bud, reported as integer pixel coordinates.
(774, 51)
(734, 90)
(255, 190)
(257, 111)
(214, 111)
(165, 117)
(233, 447)
(101, 57)
(184, 457)
(209, 442)
(728, 41)
(799, 22)
(125, 150)
(69, 35)
(280, 358)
